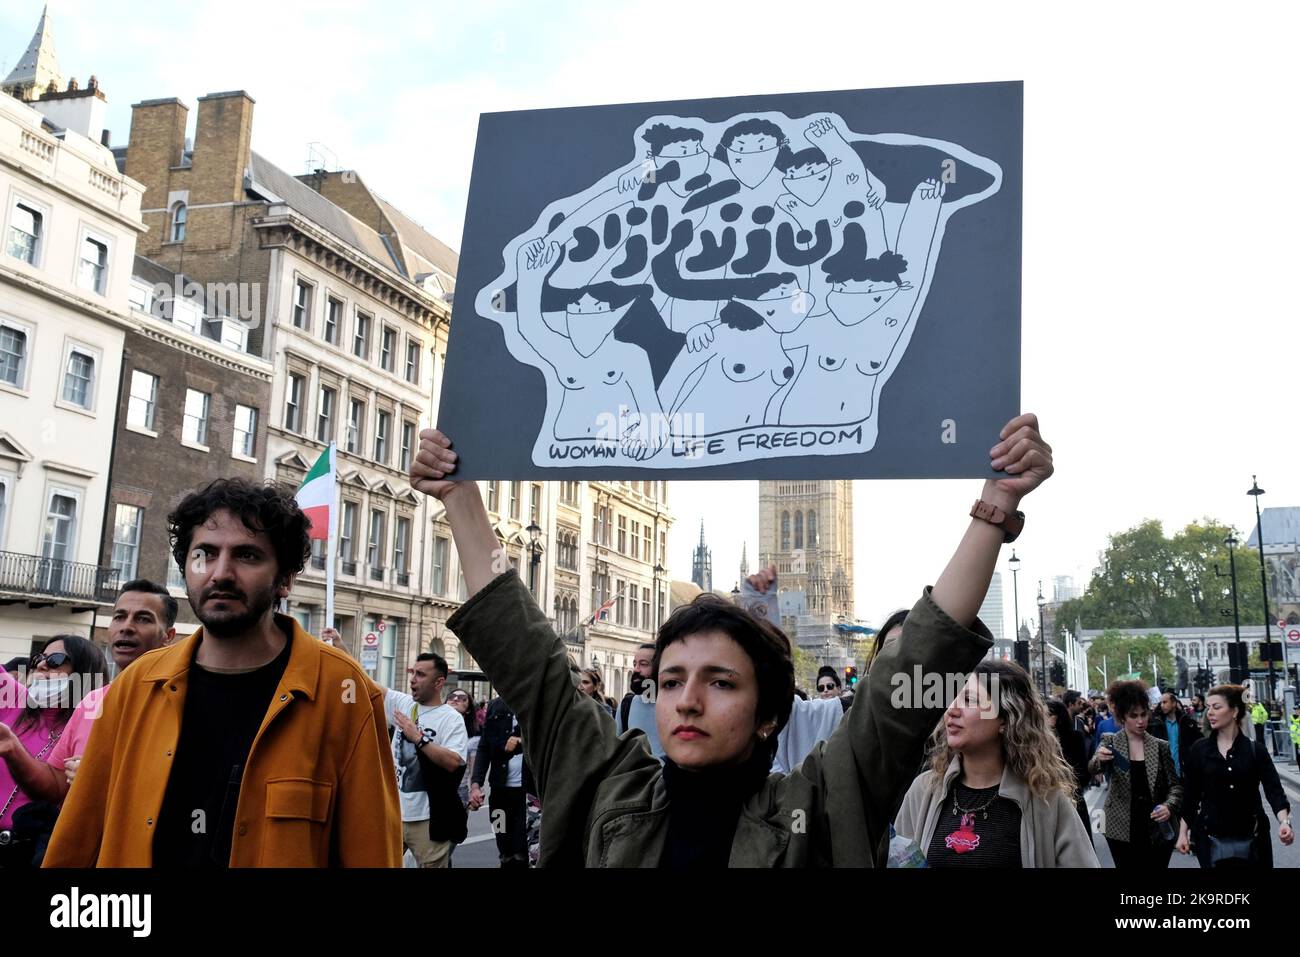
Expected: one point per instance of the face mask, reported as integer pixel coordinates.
(49, 692)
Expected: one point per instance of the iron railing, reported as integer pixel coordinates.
(34, 575)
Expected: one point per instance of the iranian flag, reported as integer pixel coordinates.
(316, 495)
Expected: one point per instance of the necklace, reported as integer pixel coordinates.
(982, 810)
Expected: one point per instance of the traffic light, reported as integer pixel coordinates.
(850, 676)
(1022, 654)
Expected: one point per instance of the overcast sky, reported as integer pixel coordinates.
(1159, 318)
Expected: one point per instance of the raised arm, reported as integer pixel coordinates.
(569, 740)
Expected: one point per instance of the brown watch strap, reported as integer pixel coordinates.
(1011, 523)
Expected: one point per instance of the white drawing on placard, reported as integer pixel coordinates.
(727, 295)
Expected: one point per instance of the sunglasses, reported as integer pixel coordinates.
(462, 697)
(825, 687)
(54, 660)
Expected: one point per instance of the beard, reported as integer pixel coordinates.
(637, 683)
(226, 624)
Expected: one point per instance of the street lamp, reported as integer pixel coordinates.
(535, 554)
(1042, 640)
(1014, 564)
(1242, 664)
(1255, 492)
(735, 594)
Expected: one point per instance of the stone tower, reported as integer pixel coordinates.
(806, 529)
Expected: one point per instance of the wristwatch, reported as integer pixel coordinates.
(1011, 523)
(426, 738)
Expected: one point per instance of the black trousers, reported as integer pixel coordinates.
(510, 825)
(1139, 857)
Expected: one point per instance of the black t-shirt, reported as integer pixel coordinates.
(223, 713)
(1140, 804)
(980, 838)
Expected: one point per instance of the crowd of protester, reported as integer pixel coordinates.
(252, 743)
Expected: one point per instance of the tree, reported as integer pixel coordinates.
(1116, 649)
(1147, 580)
(805, 670)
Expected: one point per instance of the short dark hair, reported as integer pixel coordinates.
(169, 604)
(887, 267)
(1127, 695)
(261, 507)
(439, 662)
(892, 622)
(661, 134)
(1070, 697)
(646, 646)
(765, 644)
(809, 156)
(826, 671)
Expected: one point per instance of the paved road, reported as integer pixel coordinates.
(1282, 856)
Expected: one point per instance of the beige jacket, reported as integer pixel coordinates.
(1051, 832)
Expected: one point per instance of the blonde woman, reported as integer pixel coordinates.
(997, 793)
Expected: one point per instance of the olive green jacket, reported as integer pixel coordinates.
(604, 799)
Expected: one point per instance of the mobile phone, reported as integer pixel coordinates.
(1120, 762)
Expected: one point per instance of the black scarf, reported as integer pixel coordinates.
(704, 807)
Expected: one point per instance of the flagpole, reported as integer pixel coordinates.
(329, 543)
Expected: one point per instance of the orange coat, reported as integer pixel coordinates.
(319, 788)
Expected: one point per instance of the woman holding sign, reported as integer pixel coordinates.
(725, 683)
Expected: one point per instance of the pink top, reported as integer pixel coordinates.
(72, 743)
(36, 739)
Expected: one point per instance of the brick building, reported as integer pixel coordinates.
(192, 408)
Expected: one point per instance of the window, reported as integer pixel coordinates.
(325, 414)
(413, 361)
(535, 503)
(356, 416)
(186, 315)
(401, 547)
(348, 538)
(302, 305)
(569, 492)
(375, 545)
(785, 531)
(59, 541)
(600, 526)
(293, 403)
(5, 482)
(13, 355)
(126, 541)
(383, 424)
(645, 609)
(94, 262)
(245, 443)
(25, 230)
(812, 529)
(663, 547)
(494, 494)
(195, 427)
(333, 313)
(636, 539)
(408, 446)
(647, 540)
(620, 610)
(361, 336)
(622, 534)
(175, 578)
(514, 500)
(440, 550)
(79, 378)
(179, 215)
(388, 349)
(632, 605)
(798, 529)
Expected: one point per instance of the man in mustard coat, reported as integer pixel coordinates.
(249, 744)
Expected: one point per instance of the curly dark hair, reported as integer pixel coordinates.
(767, 646)
(261, 507)
(1126, 696)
